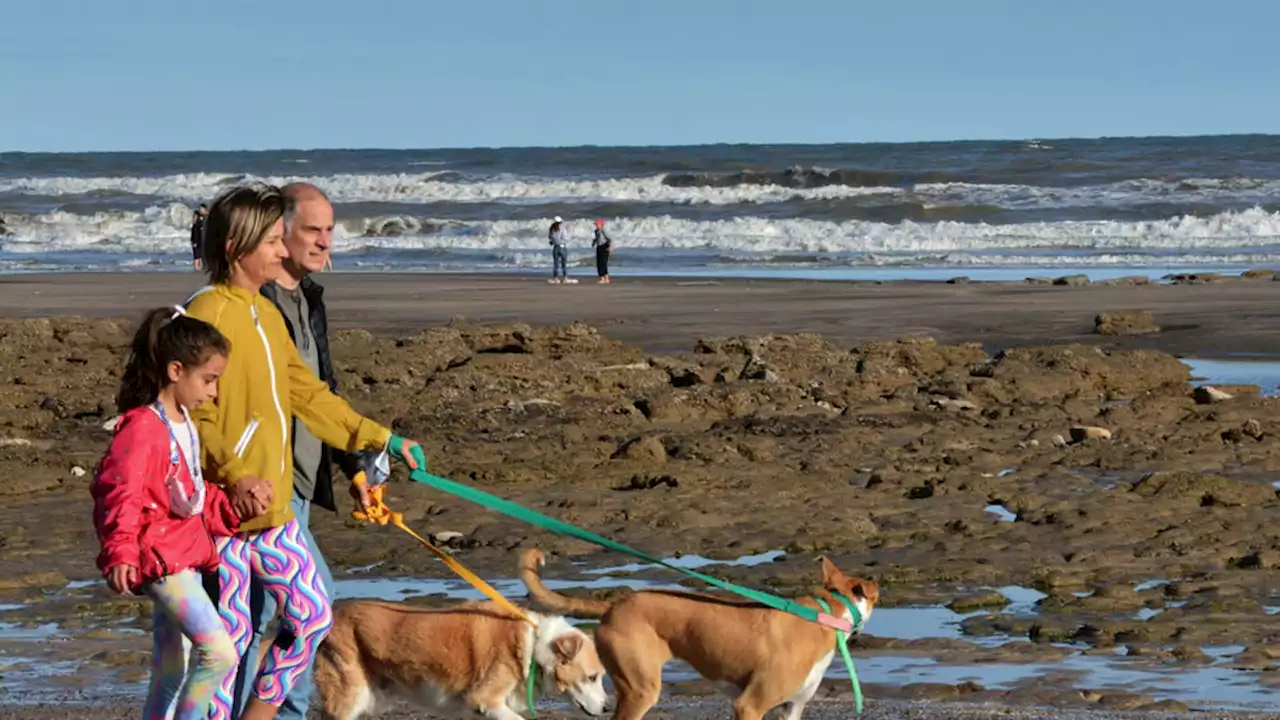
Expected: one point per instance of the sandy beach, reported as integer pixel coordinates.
(1068, 524)
(668, 315)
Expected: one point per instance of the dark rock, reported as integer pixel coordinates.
(1127, 281)
(1071, 281)
(978, 602)
(1208, 394)
(1124, 701)
(648, 450)
(1195, 278)
(1125, 322)
(1203, 489)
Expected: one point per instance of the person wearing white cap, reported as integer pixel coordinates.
(559, 252)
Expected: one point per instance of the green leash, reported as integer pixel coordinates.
(560, 527)
(842, 642)
(531, 686)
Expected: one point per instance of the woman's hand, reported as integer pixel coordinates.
(360, 490)
(122, 578)
(409, 452)
(250, 497)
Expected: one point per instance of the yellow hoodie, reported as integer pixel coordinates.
(266, 381)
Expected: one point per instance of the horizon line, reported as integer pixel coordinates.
(1189, 136)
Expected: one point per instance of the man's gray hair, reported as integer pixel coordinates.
(294, 193)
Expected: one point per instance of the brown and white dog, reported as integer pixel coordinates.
(763, 657)
(466, 660)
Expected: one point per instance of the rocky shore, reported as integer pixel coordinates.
(1064, 500)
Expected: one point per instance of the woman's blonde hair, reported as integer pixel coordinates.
(239, 218)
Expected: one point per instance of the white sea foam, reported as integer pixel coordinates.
(164, 229)
(425, 188)
(428, 188)
(1128, 193)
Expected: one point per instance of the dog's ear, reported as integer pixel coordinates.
(830, 573)
(568, 646)
(864, 588)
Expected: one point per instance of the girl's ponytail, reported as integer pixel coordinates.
(165, 335)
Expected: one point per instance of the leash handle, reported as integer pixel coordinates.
(379, 513)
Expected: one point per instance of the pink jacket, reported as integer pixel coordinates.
(131, 505)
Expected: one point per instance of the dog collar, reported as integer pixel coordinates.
(842, 644)
(854, 613)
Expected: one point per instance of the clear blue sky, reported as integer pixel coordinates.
(147, 75)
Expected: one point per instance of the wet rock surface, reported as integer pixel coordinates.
(883, 456)
(1126, 322)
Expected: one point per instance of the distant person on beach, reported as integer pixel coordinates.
(156, 517)
(245, 434)
(197, 236)
(559, 252)
(308, 236)
(604, 246)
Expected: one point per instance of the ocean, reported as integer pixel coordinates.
(994, 210)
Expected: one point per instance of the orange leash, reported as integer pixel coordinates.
(379, 514)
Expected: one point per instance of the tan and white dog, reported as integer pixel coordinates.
(763, 657)
(466, 660)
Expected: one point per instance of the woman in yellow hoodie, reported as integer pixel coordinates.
(245, 436)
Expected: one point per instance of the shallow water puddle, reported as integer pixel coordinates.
(1022, 600)
(936, 621)
(1265, 373)
(692, 562)
(14, 631)
(1214, 686)
(1148, 613)
(1001, 512)
(915, 623)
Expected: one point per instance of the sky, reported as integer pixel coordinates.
(84, 75)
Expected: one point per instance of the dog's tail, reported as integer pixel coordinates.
(551, 600)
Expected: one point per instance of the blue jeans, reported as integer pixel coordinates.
(262, 608)
(559, 261)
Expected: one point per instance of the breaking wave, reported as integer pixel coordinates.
(164, 229)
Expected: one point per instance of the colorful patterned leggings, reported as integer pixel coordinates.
(183, 611)
(281, 561)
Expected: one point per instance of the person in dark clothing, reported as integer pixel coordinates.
(604, 246)
(197, 236)
(308, 236)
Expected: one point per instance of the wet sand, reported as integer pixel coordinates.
(667, 315)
